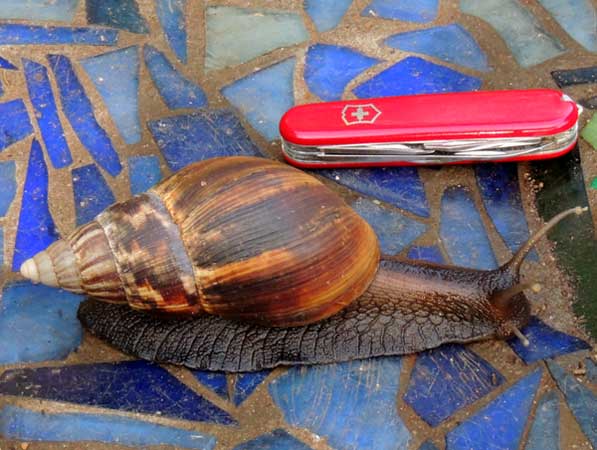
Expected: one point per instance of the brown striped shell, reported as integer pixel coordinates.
(244, 238)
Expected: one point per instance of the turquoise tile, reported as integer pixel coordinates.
(123, 14)
(8, 185)
(326, 14)
(144, 172)
(56, 10)
(172, 18)
(237, 35)
(419, 11)
(578, 18)
(545, 431)
(20, 34)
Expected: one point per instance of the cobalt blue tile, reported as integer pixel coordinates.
(202, 135)
(352, 405)
(581, 401)
(8, 185)
(450, 43)
(591, 368)
(34, 10)
(176, 90)
(414, 75)
(216, 381)
(14, 123)
(420, 11)
(500, 191)
(144, 172)
(19, 34)
(171, 16)
(123, 14)
(91, 192)
(116, 77)
(394, 230)
(448, 379)
(545, 342)
(36, 229)
(38, 323)
(428, 445)
(500, 424)
(432, 254)
(6, 64)
(26, 425)
(136, 386)
(577, 17)
(398, 186)
(79, 111)
(276, 440)
(326, 14)
(264, 96)
(46, 113)
(329, 68)
(570, 77)
(246, 383)
(545, 431)
(462, 231)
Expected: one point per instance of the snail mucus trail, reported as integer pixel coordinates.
(241, 264)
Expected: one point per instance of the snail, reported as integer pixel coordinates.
(243, 263)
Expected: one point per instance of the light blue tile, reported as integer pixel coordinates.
(116, 77)
(407, 10)
(123, 14)
(8, 185)
(276, 440)
(500, 424)
(92, 193)
(22, 424)
(529, 42)
(144, 172)
(326, 14)
(450, 43)
(20, 34)
(545, 431)
(1, 246)
(176, 90)
(14, 123)
(56, 10)
(351, 404)
(236, 35)
(38, 323)
(431, 254)
(578, 18)
(428, 445)
(264, 96)
(591, 370)
(171, 16)
(329, 68)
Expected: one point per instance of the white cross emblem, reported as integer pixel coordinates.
(358, 114)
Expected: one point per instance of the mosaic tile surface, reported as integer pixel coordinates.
(101, 99)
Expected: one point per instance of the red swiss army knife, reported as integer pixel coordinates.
(465, 127)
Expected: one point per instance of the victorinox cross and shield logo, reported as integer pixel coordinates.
(357, 114)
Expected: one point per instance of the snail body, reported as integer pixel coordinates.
(252, 264)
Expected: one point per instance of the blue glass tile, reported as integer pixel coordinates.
(428, 445)
(136, 386)
(27, 425)
(144, 172)
(450, 43)
(8, 185)
(432, 254)
(420, 11)
(123, 14)
(329, 68)
(577, 17)
(246, 383)
(202, 135)
(36, 229)
(398, 186)
(500, 191)
(79, 111)
(545, 342)
(276, 440)
(462, 231)
(326, 14)
(176, 90)
(447, 379)
(6, 64)
(352, 404)
(116, 77)
(545, 431)
(92, 194)
(171, 16)
(414, 75)
(38, 323)
(236, 35)
(46, 113)
(264, 96)
(528, 41)
(216, 381)
(394, 230)
(581, 401)
(501, 423)
(14, 123)
(18, 34)
(591, 370)
(58, 10)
